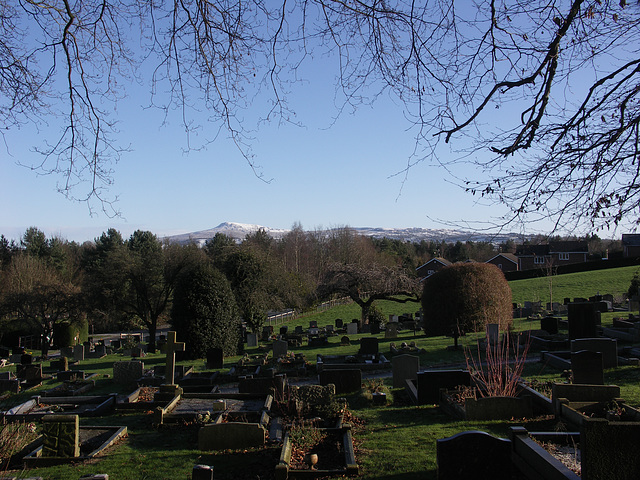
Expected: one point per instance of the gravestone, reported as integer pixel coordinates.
(215, 358)
(78, 353)
(61, 434)
(345, 380)
(26, 359)
(345, 341)
(375, 328)
(314, 331)
(339, 323)
(493, 333)
(582, 320)
(366, 328)
(116, 344)
(369, 346)
(202, 472)
(280, 348)
(391, 330)
(128, 372)
(474, 455)
(261, 385)
(609, 450)
(329, 329)
(100, 350)
(284, 329)
(352, 328)
(550, 324)
(172, 347)
(404, 367)
(137, 352)
(431, 381)
(70, 375)
(587, 367)
(231, 436)
(299, 330)
(607, 346)
(252, 340)
(313, 324)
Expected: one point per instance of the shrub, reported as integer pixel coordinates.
(204, 312)
(465, 297)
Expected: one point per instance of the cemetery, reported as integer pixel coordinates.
(272, 413)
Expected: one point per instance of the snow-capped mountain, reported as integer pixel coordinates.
(239, 231)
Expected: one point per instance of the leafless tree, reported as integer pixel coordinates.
(562, 74)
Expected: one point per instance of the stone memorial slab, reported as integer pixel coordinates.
(252, 340)
(231, 436)
(582, 320)
(215, 358)
(128, 372)
(607, 346)
(550, 324)
(465, 455)
(345, 341)
(26, 359)
(313, 324)
(391, 330)
(61, 435)
(404, 367)
(431, 381)
(100, 350)
(280, 348)
(284, 329)
(78, 352)
(369, 346)
(352, 328)
(345, 380)
(587, 367)
(339, 323)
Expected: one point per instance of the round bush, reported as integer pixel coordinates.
(464, 297)
(205, 313)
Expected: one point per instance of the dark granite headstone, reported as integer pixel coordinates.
(339, 323)
(345, 341)
(313, 324)
(587, 367)
(368, 346)
(215, 358)
(582, 320)
(26, 359)
(284, 329)
(202, 472)
(375, 328)
(474, 455)
(431, 381)
(549, 324)
(345, 380)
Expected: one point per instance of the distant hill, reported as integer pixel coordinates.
(239, 231)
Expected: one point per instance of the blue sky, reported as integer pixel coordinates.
(322, 175)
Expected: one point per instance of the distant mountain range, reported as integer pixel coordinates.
(239, 231)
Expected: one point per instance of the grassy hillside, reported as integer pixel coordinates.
(585, 284)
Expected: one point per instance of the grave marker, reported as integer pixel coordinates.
(391, 330)
(128, 372)
(78, 353)
(352, 328)
(404, 367)
(587, 367)
(369, 346)
(345, 380)
(61, 436)
(582, 320)
(280, 348)
(215, 358)
(252, 340)
(172, 348)
(474, 455)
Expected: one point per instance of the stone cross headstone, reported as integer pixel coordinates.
(172, 348)
(61, 436)
(280, 348)
(404, 367)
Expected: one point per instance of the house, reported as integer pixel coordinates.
(631, 245)
(507, 262)
(431, 267)
(553, 253)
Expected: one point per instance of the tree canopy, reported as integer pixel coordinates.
(564, 75)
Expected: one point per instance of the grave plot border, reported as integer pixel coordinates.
(571, 411)
(486, 408)
(130, 403)
(83, 386)
(383, 363)
(163, 415)
(284, 471)
(34, 458)
(534, 461)
(20, 413)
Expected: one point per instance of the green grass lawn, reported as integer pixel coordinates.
(393, 442)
